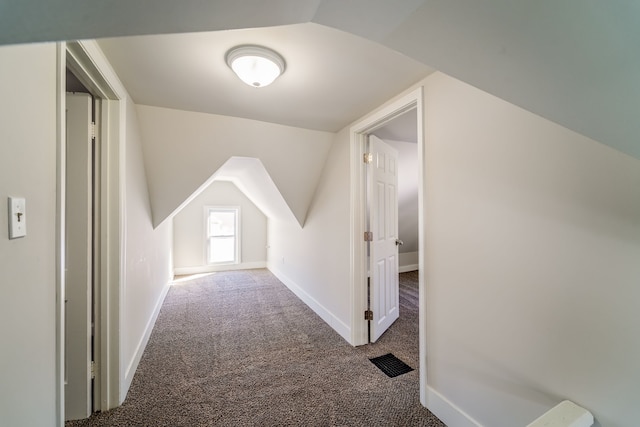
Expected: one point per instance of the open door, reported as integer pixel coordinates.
(383, 262)
(78, 257)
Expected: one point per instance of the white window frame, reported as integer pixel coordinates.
(207, 212)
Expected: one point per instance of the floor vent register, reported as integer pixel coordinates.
(391, 365)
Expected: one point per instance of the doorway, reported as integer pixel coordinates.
(401, 134)
(102, 252)
(359, 262)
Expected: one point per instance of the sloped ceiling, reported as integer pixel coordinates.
(575, 62)
(331, 79)
(34, 20)
(402, 128)
(184, 149)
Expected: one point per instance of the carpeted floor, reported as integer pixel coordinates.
(240, 349)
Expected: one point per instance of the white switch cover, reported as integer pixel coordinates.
(17, 217)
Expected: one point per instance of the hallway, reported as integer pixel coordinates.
(238, 348)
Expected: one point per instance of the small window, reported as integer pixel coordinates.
(222, 235)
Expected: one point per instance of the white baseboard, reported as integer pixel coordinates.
(448, 412)
(407, 268)
(408, 261)
(179, 271)
(142, 344)
(338, 325)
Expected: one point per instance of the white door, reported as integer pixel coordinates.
(383, 211)
(78, 257)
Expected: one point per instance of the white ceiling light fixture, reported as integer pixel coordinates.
(257, 66)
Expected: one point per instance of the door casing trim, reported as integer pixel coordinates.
(358, 209)
(89, 64)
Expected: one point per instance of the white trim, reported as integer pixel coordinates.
(358, 132)
(447, 412)
(564, 414)
(407, 268)
(119, 252)
(137, 355)
(338, 325)
(91, 66)
(408, 261)
(104, 81)
(422, 285)
(212, 268)
(60, 227)
(113, 249)
(358, 250)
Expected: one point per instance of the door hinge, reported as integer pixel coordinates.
(93, 369)
(368, 236)
(368, 315)
(93, 130)
(368, 158)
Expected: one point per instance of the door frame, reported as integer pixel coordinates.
(88, 63)
(358, 249)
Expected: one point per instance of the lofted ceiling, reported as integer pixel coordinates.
(403, 128)
(575, 62)
(332, 78)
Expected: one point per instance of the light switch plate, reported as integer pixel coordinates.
(17, 217)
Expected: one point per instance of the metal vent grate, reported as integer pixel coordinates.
(391, 365)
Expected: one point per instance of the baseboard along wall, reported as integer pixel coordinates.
(181, 271)
(142, 344)
(407, 268)
(338, 325)
(447, 411)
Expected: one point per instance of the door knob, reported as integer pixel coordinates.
(399, 242)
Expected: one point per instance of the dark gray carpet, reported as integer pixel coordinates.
(409, 292)
(240, 349)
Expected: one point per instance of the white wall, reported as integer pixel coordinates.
(408, 261)
(314, 261)
(27, 265)
(183, 149)
(532, 263)
(148, 256)
(189, 250)
(408, 177)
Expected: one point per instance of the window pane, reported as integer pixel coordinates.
(222, 249)
(222, 223)
(222, 232)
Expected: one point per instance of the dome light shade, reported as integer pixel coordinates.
(257, 66)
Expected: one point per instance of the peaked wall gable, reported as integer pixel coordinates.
(183, 149)
(253, 180)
